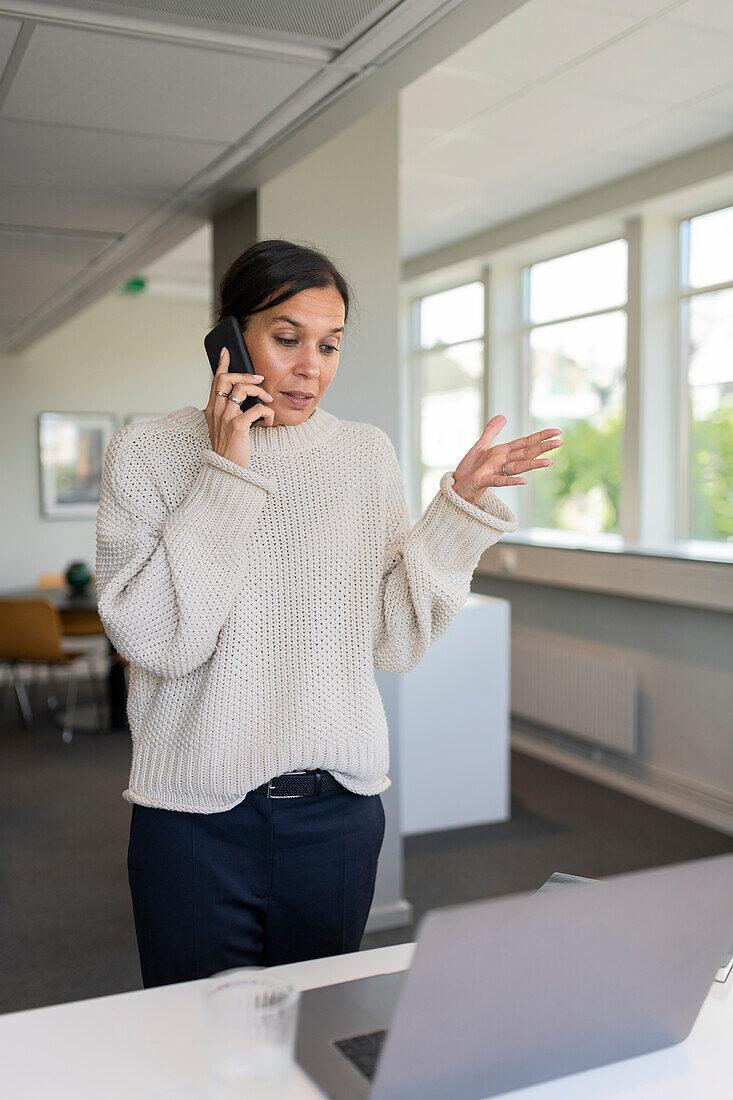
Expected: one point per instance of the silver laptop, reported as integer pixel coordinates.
(507, 993)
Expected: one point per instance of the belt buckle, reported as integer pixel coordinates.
(269, 794)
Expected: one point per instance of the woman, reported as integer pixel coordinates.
(253, 568)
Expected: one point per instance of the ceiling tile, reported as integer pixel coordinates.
(582, 170)
(555, 119)
(43, 243)
(414, 137)
(478, 212)
(663, 62)
(68, 156)
(713, 14)
(720, 101)
(119, 82)
(538, 37)
(446, 100)
(673, 134)
(75, 208)
(26, 282)
(642, 9)
(8, 33)
(475, 158)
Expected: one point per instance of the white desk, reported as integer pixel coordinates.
(148, 1045)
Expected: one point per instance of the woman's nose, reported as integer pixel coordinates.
(309, 361)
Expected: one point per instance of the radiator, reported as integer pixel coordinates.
(566, 686)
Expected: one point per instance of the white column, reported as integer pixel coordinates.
(343, 198)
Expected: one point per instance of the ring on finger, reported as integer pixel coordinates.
(222, 393)
(503, 470)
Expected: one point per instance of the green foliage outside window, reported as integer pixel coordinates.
(589, 460)
(711, 475)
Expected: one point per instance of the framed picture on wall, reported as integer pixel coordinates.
(71, 449)
(134, 418)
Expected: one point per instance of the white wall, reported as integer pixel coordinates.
(343, 198)
(121, 355)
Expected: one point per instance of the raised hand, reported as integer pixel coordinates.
(483, 467)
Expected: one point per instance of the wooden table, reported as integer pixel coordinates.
(69, 605)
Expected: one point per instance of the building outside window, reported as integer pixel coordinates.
(574, 366)
(706, 345)
(447, 372)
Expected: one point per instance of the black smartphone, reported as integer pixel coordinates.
(228, 334)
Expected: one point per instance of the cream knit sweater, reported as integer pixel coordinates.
(253, 604)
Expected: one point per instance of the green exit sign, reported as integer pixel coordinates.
(134, 286)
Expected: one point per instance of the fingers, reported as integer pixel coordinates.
(535, 437)
(223, 365)
(494, 426)
(537, 449)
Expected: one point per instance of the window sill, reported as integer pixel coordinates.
(686, 573)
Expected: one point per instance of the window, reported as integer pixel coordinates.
(574, 367)
(447, 377)
(706, 343)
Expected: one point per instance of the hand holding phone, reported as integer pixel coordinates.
(228, 334)
(229, 423)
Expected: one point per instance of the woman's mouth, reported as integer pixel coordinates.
(299, 401)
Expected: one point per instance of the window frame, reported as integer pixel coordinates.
(525, 371)
(415, 354)
(685, 294)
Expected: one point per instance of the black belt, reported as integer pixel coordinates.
(296, 785)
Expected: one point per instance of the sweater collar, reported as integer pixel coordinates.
(266, 440)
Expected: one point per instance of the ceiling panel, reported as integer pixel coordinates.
(329, 21)
(69, 156)
(556, 118)
(663, 136)
(485, 207)
(119, 82)
(663, 62)
(447, 99)
(539, 37)
(8, 33)
(88, 208)
(611, 86)
(29, 242)
(414, 137)
(586, 169)
(720, 101)
(643, 9)
(27, 281)
(713, 14)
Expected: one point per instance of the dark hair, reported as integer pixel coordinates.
(251, 283)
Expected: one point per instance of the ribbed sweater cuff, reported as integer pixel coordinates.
(225, 498)
(457, 532)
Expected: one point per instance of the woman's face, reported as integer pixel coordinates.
(295, 345)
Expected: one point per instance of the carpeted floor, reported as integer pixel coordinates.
(65, 918)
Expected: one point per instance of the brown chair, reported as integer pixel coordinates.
(31, 633)
(75, 623)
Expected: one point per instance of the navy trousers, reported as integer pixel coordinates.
(273, 880)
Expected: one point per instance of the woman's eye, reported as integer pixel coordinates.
(289, 341)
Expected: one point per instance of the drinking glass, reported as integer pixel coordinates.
(251, 1023)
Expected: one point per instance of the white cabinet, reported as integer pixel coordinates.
(454, 724)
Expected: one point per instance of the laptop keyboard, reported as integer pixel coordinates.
(363, 1051)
